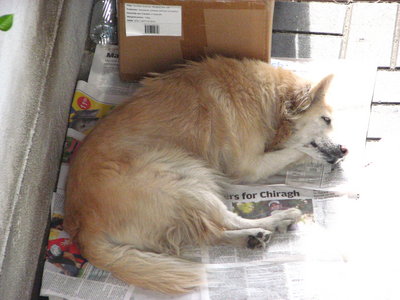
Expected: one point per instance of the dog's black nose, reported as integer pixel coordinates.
(343, 150)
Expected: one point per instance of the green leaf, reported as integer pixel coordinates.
(6, 22)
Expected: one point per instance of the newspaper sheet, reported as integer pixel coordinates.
(282, 269)
(104, 73)
(304, 263)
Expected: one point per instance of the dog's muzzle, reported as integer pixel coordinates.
(331, 152)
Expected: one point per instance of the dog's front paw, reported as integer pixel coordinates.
(324, 150)
(259, 240)
(311, 150)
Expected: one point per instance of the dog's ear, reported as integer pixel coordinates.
(318, 92)
(303, 96)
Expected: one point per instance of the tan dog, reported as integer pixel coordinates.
(149, 178)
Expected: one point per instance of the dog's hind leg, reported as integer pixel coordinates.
(143, 219)
(255, 233)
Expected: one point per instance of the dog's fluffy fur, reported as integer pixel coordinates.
(148, 179)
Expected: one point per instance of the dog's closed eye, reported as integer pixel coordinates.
(327, 120)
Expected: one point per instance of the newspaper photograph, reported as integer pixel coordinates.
(297, 264)
(89, 105)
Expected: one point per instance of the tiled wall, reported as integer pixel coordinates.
(362, 31)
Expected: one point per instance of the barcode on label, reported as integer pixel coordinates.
(151, 29)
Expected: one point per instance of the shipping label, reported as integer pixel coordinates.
(153, 20)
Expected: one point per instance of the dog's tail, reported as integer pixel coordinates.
(160, 272)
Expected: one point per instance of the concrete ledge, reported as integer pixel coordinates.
(40, 58)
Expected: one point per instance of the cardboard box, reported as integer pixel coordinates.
(154, 35)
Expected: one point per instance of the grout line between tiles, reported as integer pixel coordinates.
(395, 41)
(346, 31)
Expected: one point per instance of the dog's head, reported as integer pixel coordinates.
(312, 127)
